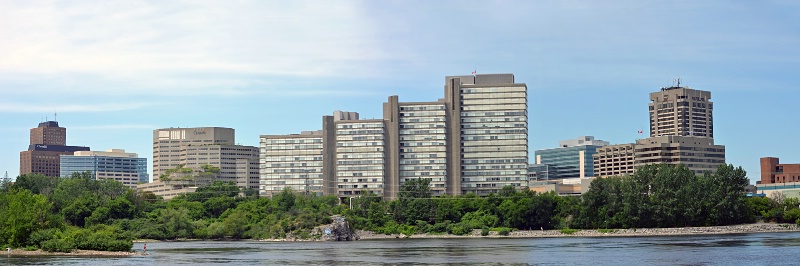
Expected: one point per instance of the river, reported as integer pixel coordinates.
(744, 249)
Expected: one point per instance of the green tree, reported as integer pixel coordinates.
(22, 213)
(37, 183)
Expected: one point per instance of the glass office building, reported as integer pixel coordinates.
(572, 159)
(114, 164)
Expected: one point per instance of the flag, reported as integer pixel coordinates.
(474, 72)
(640, 132)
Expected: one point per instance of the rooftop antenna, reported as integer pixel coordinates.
(55, 116)
(679, 82)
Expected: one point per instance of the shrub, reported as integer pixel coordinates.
(41, 235)
(504, 231)
(485, 231)
(568, 231)
(57, 245)
(459, 229)
(31, 248)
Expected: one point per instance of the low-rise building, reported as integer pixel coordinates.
(572, 159)
(113, 164)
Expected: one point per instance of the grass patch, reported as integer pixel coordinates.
(568, 231)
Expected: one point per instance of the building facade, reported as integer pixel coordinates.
(113, 164)
(472, 141)
(360, 157)
(698, 154)
(294, 161)
(417, 143)
(614, 160)
(572, 159)
(773, 172)
(195, 147)
(681, 111)
(48, 142)
(487, 133)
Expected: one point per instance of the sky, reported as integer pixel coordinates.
(114, 71)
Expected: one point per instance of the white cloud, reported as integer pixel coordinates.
(161, 47)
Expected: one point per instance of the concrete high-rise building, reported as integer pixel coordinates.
(360, 157)
(48, 141)
(487, 118)
(473, 141)
(417, 143)
(614, 160)
(294, 161)
(681, 111)
(572, 159)
(195, 147)
(699, 154)
(113, 164)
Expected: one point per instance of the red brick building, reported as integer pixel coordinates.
(774, 172)
(48, 143)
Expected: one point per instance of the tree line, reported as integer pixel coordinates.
(78, 212)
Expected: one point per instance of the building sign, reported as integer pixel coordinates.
(200, 131)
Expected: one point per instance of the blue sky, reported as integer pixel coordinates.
(116, 70)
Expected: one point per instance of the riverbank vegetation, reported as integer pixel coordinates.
(63, 214)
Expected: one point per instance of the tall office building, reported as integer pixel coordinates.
(417, 140)
(360, 157)
(681, 132)
(113, 164)
(472, 141)
(681, 111)
(48, 141)
(572, 159)
(294, 161)
(195, 147)
(487, 133)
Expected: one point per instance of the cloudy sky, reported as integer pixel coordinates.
(116, 70)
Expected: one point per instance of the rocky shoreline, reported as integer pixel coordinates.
(709, 230)
(74, 253)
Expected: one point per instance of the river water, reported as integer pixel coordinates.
(744, 249)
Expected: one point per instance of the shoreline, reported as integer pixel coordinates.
(639, 232)
(75, 253)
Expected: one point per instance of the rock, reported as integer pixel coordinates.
(338, 230)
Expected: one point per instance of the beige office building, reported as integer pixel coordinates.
(614, 160)
(475, 140)
(294, 161)
(195, 147)
(681, 111)
(417, 143)
(487, 118)
(697, 153)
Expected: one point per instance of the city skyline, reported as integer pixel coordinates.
(116, 72)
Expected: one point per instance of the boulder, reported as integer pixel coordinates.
(338, 230)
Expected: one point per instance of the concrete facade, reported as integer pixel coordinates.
(195, 147)
(294, 161)
(474, 140)
(487, 133)
(681, 111)
(699, 154)
(417, 143)
(614, 160)
(360, 157)
(773, 172)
